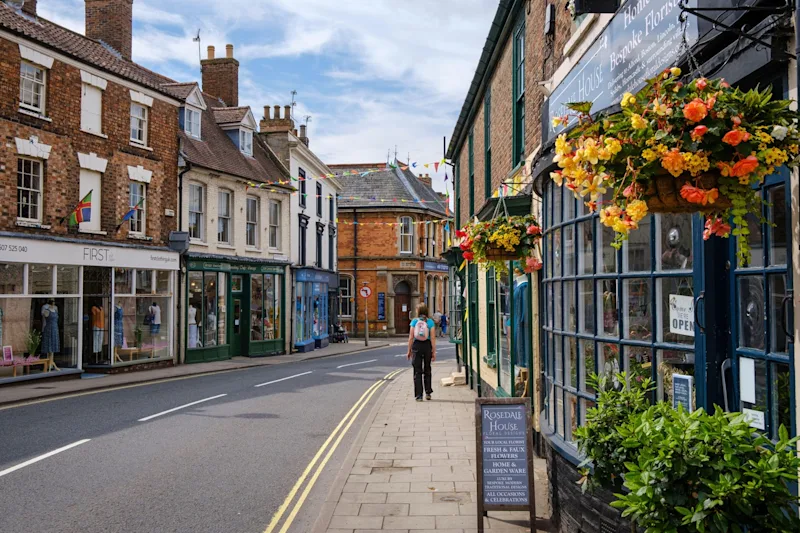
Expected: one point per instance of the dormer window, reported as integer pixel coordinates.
(191, 122)
(246, 142)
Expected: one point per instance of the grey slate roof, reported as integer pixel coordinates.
(397, 188)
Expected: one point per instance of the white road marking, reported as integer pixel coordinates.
(42, 457)
(145, 419)
(359, 363)
(401, 355)
(284, 379)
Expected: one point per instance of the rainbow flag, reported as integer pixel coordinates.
(82, 211)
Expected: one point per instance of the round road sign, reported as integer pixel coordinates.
(366, 292)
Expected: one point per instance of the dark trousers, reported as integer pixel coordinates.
(421, 353)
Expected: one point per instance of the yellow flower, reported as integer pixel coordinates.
(590, 154)
(604, 154)
(661, 149)
(675, 71)
(794, 149)
(637, 210)
(775, 156)
(613, 145)
(609, 214)
(562, 145)
(619, 226)
(638, 122)
(627, 99)
(659, 108)
(649, 155)
(696, 163)
(557, 177)
(764, 137)
(556, 122)
(593, 187)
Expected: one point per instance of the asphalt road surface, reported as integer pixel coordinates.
(215, 453)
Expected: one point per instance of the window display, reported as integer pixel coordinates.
(206, 310)
(145, 314)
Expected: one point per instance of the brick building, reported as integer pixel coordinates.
(392, 232)
(77, 116)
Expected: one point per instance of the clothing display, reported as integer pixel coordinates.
(193, 336)
(50, 336)
(98, 328)
(1, 326)
(521, 322)
(118, 326)
(155, 322)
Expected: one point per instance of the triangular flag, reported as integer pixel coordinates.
(426, 165)
(436, 167)
(463, 265)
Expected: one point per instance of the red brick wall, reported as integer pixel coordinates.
(111, 21)
(63, 134)
(221, 79)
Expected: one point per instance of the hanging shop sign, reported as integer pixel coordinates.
(643, 38)
(504, 456)
(68, 253)
(381, 306)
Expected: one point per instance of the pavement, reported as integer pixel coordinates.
(45, 388)
(412, 469)
(211, 453)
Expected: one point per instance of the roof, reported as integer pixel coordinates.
(373, 189)
(485, 64)
(216, 151)
(180, 90)
(80, 47)
(230, 115)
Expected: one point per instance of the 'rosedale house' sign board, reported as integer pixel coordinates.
(504, 456)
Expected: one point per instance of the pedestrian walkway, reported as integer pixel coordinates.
(43, 388)
(412, 470)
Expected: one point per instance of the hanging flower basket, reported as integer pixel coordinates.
(675, 147)
(502, 239)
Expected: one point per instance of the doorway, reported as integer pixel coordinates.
(402, 308)
(97, 312)
(240, 326)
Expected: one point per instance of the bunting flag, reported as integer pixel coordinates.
(129, 214)
(463, 265)
(82, 211)
(436, 167)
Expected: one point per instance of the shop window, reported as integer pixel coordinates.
(506, 327)
(206, 313)
(197, 211)
(271, 319)
(491, 313)
(455, 313)
(30, 184)
(142, 322)
(345, 296)
(253, 216)
(40, 279)
(138, 202)
(256, 308)
(67, 279)
(224, 217)
(473, 304)
(32, 84)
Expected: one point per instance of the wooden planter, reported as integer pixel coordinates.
(494, 253)
(663, 194)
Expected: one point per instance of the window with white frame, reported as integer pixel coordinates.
(406, 235)
(29, 189)
(345, 296)
(191, 122)
(224, 217)
(252, 222)
(246, 142)
(32, 80)
(138, 201)
(91, 182)
(274, 224)
(139, 123)
(197, 212)
(91, 108)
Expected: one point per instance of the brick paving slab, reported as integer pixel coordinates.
(413, 469)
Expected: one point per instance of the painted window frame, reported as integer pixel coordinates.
(474, 311)
(246, 141)
(87, 89)
(197, 213)
(252, 222)
(139, 123)
(487, 136)
(301, 175)
(193, 126)
(346, 283)
(37, 88)
(138, 222)
(319, 200)
(518, 151)
(225, 219)
(38, 193)
(274, 224)
(406, 236)
(471, 155)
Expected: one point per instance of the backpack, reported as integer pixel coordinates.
(421, 330)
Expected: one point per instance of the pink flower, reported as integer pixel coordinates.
(533, 264)
(534, 230)
(698, 132)
(469, 256)
(702, 83)
(716, 227)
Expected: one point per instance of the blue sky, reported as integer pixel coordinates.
(371, 73)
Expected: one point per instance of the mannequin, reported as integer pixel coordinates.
(521, 333)
(192, 326)
(118, 342)
(155, 324)
(50, 335)
(211, 329)
(98, 330)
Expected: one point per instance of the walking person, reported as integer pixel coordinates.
(422, 351)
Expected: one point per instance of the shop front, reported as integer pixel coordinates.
(315, 291)
(69, 305)
(234, 308)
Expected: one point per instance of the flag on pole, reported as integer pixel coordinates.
(82, 211)
(129, 214)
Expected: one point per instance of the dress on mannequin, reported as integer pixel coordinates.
(118, 326)
(50, 340)
(521, 333)
(98, 328)
(192, 326)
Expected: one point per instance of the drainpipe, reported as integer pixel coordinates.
(181, 276)
(354, 323)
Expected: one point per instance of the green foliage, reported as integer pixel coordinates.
(696, 472)
(32, 341)
(598, 440)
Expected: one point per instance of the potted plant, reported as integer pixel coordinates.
(678, 147)
(32, 342)
(502, 239)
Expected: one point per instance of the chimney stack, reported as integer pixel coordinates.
(275, 123)
(303, 136)
(29, 7)
(110, 21)
(426, 180)
(221, 76)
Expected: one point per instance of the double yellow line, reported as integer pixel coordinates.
(336, 438)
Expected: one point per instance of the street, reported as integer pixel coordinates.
(215, 453)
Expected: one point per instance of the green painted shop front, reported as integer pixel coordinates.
(234, 309)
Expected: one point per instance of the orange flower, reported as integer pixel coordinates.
(674, 162)
(734, 137)
(696, 195)
(711, 101)
(695, 110)
(698, 132)
(716, 227)
(745, 166)
(701, 84)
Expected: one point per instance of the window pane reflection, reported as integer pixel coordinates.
(606, 237)
(756, 241)
(587, 365)
(778, 314)
(636, 251)
(607, 301)
(638, 363)
(673, 362)
(569, 250)
(777, 232)
(752, 330)
(585, 248)
(674, 251)
(586, 305)
(638, 319)
(569, 307)
(781, 397)
(676, 320)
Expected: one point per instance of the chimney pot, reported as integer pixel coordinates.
(110, 21)
(266, 112)
(211, 52)
(229, 51)
(302, 130)
(288, 110)
(277, 112)
(29, 7)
